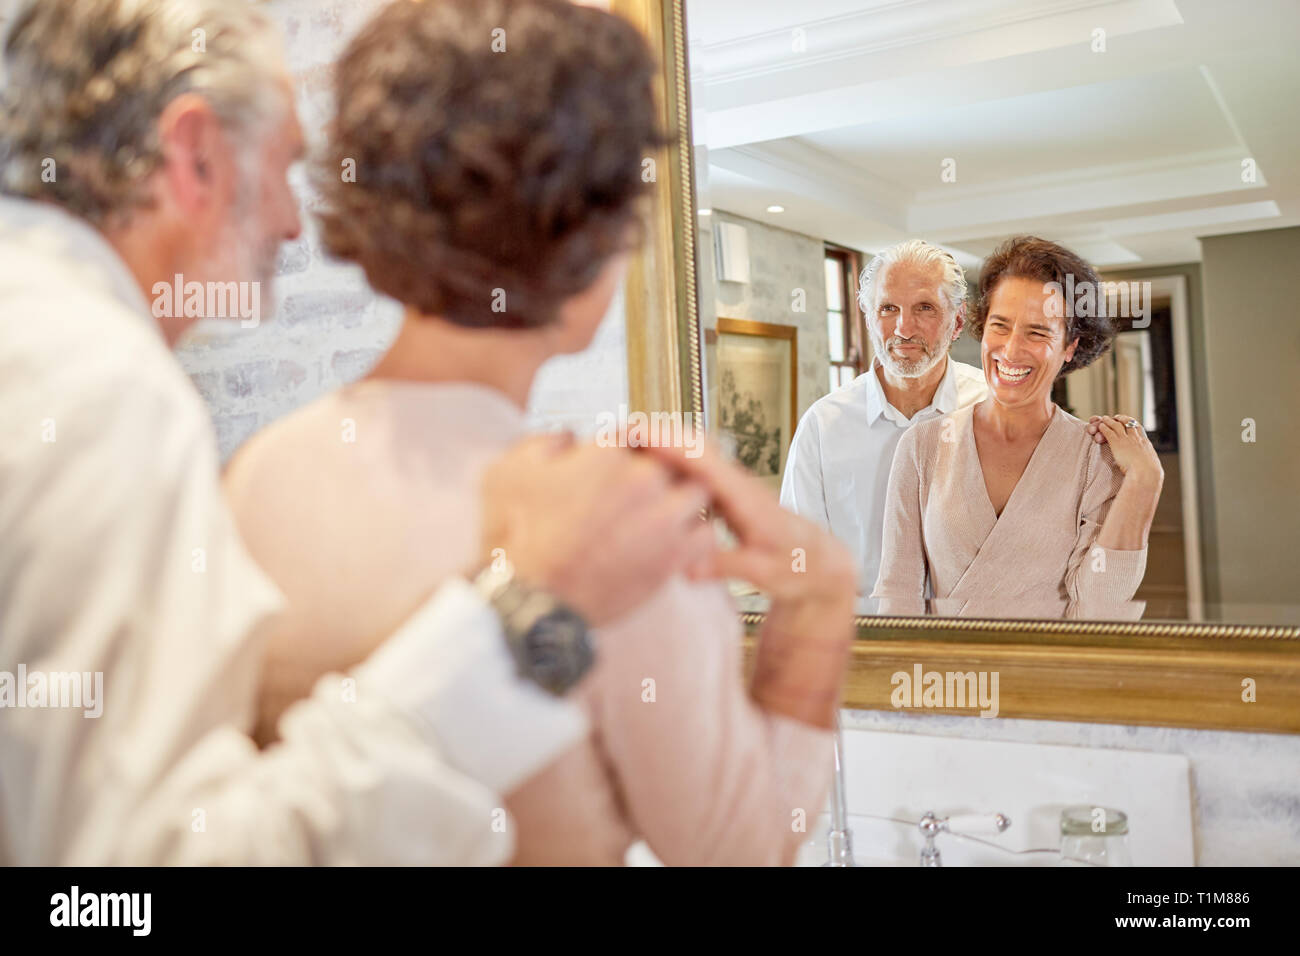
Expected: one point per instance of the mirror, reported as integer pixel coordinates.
(1148, 147)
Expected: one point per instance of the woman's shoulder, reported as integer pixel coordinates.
(290, 441)
(1072, 431)
(1098, 458)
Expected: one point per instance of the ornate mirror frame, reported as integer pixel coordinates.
(1162, 674)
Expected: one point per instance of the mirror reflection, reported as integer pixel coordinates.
(997, 296)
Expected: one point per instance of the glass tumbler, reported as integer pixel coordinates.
(1094, 836)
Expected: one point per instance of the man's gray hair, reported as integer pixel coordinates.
(921, 253)
(85, 82)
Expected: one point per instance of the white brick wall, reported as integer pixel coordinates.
(329, 327)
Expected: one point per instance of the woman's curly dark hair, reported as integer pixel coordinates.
(498, 149)
(1029, 257)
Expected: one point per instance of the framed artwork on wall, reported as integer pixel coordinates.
(757, 365)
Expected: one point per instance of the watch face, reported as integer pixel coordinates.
(557, 649)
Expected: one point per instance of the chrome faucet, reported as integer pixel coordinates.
(965, 826)
(839, 841)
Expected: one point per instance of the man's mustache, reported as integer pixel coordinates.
(899, 340)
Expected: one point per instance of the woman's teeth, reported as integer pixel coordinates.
(1013, 373)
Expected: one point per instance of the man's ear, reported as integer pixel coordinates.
(195, 155)
(961, 322)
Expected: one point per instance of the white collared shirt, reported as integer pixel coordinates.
(837, 471)
(119, 561)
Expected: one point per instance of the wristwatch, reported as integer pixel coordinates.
(551, 644)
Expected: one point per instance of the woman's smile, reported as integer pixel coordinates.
(1010, 375)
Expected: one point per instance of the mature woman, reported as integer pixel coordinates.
(1011, 506)
(496, 196)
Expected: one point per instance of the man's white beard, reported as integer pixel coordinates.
(241, 255)
(936, 352)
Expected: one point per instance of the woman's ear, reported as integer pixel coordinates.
(1070, 350)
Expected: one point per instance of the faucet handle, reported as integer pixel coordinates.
(962, 824)
(978, 824)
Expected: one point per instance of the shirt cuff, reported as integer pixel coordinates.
(449, 668)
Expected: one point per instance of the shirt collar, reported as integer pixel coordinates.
(50, 231)
(876, 401)
(945, 396)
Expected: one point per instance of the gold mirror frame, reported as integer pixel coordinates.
(1161, 674)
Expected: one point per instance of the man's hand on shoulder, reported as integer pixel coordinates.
(600, 528)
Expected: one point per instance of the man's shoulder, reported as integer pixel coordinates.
(82, 366)
(850, 399)
(971, 385)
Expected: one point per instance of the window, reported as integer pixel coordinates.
(844, 324)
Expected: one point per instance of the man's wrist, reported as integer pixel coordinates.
(551, 644)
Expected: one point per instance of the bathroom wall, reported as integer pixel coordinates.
(329, 328)
(1245, 787)
(1252, 351)
(780, 262)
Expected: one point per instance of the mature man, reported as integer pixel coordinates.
(914, 298)
(130, 153)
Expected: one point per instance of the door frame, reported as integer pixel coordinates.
(1175, 287)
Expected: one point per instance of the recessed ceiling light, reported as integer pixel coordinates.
(776, 209)
(706, 212)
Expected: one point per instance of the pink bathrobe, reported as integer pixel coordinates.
(947, 552)
(358, 532)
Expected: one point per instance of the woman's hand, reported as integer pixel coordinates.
(808, 575)
(601, 528)
(1133, 451)
(1128, 524)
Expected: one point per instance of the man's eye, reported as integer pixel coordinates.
(886, 308)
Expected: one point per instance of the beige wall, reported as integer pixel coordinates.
(1252, 361)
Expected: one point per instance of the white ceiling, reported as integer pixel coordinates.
(1127, 155)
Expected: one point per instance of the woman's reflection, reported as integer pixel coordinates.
(1012, 507)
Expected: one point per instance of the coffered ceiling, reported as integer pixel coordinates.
(848, 112)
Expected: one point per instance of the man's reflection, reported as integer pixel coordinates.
(914, 297)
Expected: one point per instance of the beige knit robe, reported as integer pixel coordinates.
(357, 532)
(947, 552)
